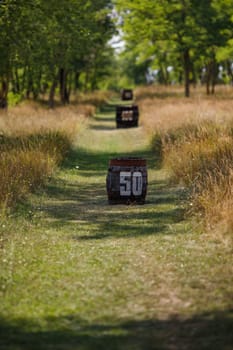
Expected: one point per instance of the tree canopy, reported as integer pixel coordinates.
(192, 37)
(49, 44)
(64, 45)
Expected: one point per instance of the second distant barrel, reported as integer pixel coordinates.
(127, 116)
(127, 94)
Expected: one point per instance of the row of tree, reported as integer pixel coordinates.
(45, 46)
(189, 38)
(63, 45)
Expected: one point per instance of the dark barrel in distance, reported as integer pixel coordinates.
(127, 116)
(127, 180)
(127, 94)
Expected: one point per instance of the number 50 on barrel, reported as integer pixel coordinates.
(130, 183)
(127, 180)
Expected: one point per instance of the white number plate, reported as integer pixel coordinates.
(127, 115)
(130, 183)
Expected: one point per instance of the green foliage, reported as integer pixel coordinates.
(14, 99)
(188, 35)
(42, 40)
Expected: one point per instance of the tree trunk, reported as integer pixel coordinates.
(29, 86)
(214, 76)
(211, 74)
(37, 86)
(64, 94)
(52, 93)
(213, 87)
(76, 81)
(209, 78)
(186, 59)
(229, 71)
(86, 81)
(208, 68)
(194, 77)
(24, 79)
(15, 81)
(69, 87)
(4, 93)
(163, 75)
(207, 87)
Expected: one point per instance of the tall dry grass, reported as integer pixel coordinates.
(30, 117)
(165, 107)
(33, 142)
(194, 138)
(21, 172)
(205, 167)
(96, 98)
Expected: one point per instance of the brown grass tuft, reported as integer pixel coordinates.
(33, 141)
(96, 98)
(174, 110)
(29, 118)
(194, 139)
(21, 172)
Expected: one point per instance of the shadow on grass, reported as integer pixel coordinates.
(207, 331)
(92, 194)
(103, 127)
(107, 118)
(84, 205)
(107, 108)
(107, 115)
(86, 212)
(98, 161)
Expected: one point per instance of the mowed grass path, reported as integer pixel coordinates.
(85, 275)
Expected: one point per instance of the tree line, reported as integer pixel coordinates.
(63, 45)
(185, 41)
(56, 45)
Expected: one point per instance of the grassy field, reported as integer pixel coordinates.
(78, 274)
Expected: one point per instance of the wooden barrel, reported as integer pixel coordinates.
(127, 180)
(127, 94)
(127, 116)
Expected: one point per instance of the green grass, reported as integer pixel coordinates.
(77, 273)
